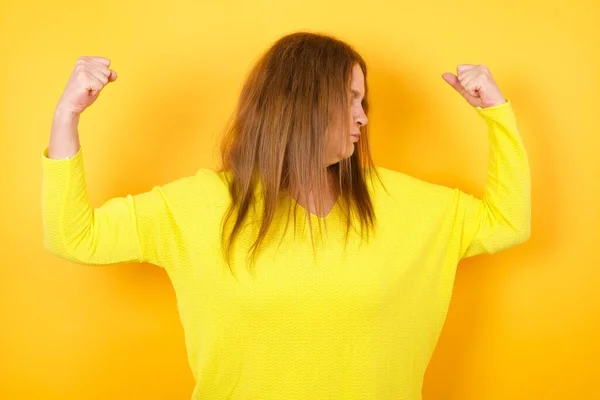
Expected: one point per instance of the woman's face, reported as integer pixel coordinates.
(341, 146)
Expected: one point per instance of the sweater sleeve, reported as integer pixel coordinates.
(502, 217)
(134, 228)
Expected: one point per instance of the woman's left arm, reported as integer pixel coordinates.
(502, 217)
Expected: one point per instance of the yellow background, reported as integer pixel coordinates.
(524, 324)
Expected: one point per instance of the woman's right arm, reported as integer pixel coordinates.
(75, 231)
(140, 228)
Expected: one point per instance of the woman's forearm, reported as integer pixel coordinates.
(64, 135)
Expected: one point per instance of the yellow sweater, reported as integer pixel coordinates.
(340, 323)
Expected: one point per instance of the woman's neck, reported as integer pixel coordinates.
(310, 200)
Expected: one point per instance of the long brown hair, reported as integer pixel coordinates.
(277, 137)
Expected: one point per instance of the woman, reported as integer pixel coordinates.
(301, 270)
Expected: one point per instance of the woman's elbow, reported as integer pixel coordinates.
(53, 248)
(526, 234)
(56, 244)
(521, 232)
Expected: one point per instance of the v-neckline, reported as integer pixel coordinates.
(312, 215)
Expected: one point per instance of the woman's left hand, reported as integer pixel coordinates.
(476, 84)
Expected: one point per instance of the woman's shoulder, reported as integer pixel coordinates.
(213, 179)
(205, 186)
(395, 183)
(212, 183)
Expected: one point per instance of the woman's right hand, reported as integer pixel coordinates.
(87, 80)
(90, 75)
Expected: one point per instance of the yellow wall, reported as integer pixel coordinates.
(522, 325)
